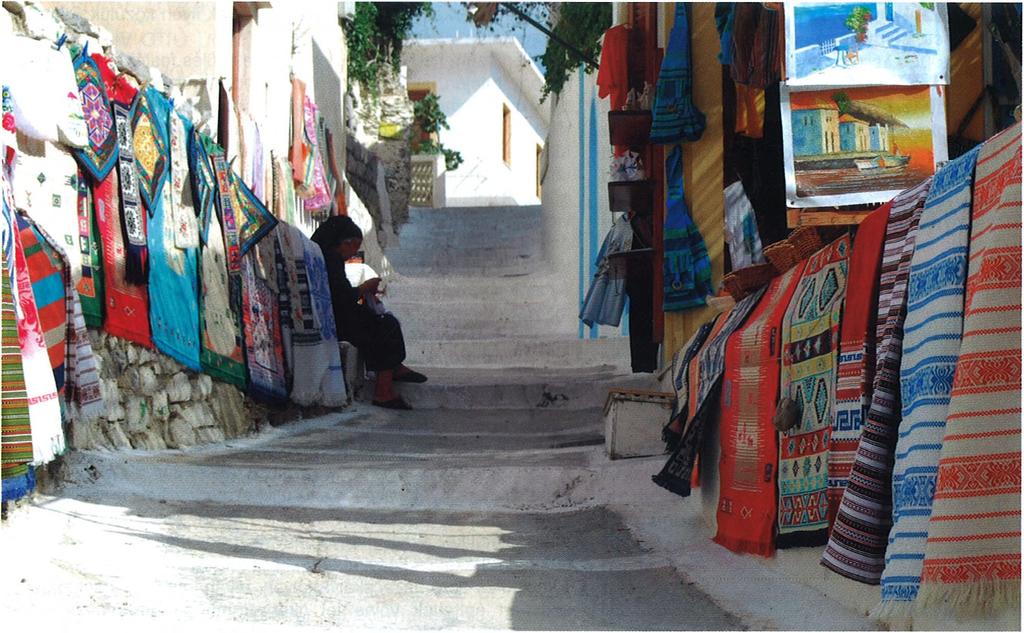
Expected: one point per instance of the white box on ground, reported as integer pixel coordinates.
(633, 420)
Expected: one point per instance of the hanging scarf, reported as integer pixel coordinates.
(340, 205)
(676, 118)
(43, 403)
(856, 369)
(284, 303)
(204, 180)
(606, 296)
(810, 336)
(100, 154)
(46, 274)
(741, 228)
(222, 355)
(299, 150)
(226, 207)
(972, 559)
(264, 350)
(320, 200)
(931, 345)
(82, 392)
(856, 547)
(317, 376)
(181, 203)
(680, 371)
(749, 459)
(687, 268)
(703, 390)
(15, 427)
(253, 220)
(284, 191)
(89, 254)
(133, 218)
(172, 270)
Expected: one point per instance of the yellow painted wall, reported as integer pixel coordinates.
(702, 163)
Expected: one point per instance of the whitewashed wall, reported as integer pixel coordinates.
(472, 85)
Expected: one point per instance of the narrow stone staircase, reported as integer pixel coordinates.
(473, 293)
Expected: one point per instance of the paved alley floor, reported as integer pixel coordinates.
(270, 531)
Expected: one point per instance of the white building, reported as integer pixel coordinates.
(489, 89)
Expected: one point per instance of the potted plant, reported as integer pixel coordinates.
(857, 22)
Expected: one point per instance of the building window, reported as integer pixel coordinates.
(418, 92)
(506, 135)
(539, 151)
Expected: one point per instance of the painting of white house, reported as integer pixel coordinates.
(489, 89)
(867, 44)
(856, 145)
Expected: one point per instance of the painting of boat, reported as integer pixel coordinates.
(883, 163)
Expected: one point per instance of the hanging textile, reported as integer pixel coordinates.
(741, 228)
(264, 349)
(284, 303)
(340, 205)
(152, 150)
(252, 219)
(810, 336)
(758, 44)
(749, 459)
(299, 149)
(972, 559)
(44, 94)
(316, 181)
(121, 224)
(181, 207)
(8, 131)
(173, 271)
(15, 428)
(750, 104)
(318, 378)
(931, 345)
(89, 255)
(680, 371)
(46, 273)
(703, 391)
(606, 296)
(43, 402)
(133, 218)
(856, 547)
(687, 268)
(725, 16)
(220, 322)
(284, 191)
(676, 118)
(100, 154)
(856, 369)
(613, 71)
(204, 180)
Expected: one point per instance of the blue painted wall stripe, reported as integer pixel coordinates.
(592, 179)
(580, 241)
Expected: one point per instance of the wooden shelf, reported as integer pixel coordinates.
(630, 128)
(639, 252)
(631, 195)
(828, 216)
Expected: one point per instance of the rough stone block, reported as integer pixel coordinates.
(229, 410)
(179, 389)
(132, 65)
(138, 415)
(161, 406)
(209, 434)
(202, 387)
(114, 411)
(41, 24)
(75, 22)
(132, 354)
(180, 433)
(116, 437)
(147, 440)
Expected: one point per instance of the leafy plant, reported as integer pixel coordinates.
(857, 22)
(429, 120)
(375, 35)
(842, 102)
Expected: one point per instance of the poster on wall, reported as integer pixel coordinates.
(867, 43)
(859, 145)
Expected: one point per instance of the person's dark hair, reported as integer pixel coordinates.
(334, 230)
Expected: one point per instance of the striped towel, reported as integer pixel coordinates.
(856, 547)
(675, 117)
(931, 344)
(972, 558)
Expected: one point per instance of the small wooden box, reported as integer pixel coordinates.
(633, 420)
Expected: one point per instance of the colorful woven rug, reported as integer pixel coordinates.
(253, 220)
(89, 284)
(284, 303)
(133, 218)
(703, 388)
(316, 173)
(332, 383)
(46, 271)
(43, 402)
(220, 322)
(204, 180)
(15, 428)
(931, 345)
(151, 147)
(680, 371)
(856, 547)
(810, 337)
(749, 442)
(856, 369)
(972, 558)
(100, 154)
(181, 203)
(264, 350)
(299, 150)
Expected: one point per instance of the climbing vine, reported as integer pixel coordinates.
(375, 34)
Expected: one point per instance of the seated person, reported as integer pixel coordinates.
(377, 336)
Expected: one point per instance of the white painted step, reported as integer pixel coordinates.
(524, 351)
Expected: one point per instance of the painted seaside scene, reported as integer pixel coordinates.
(867, 43)
(850, 144)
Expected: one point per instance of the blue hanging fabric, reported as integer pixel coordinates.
(675, 116)
(687, 267)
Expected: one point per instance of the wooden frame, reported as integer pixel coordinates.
(506, 134)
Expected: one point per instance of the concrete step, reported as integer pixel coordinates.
(435, 289)
(444, 258)
(519, 351)
(522, 389)
(454, 328)
(524, 266)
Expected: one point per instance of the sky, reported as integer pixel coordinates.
(450, 21)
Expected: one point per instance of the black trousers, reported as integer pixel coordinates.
(643, 350)
(379, 340)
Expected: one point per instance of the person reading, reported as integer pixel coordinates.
(377, 336)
